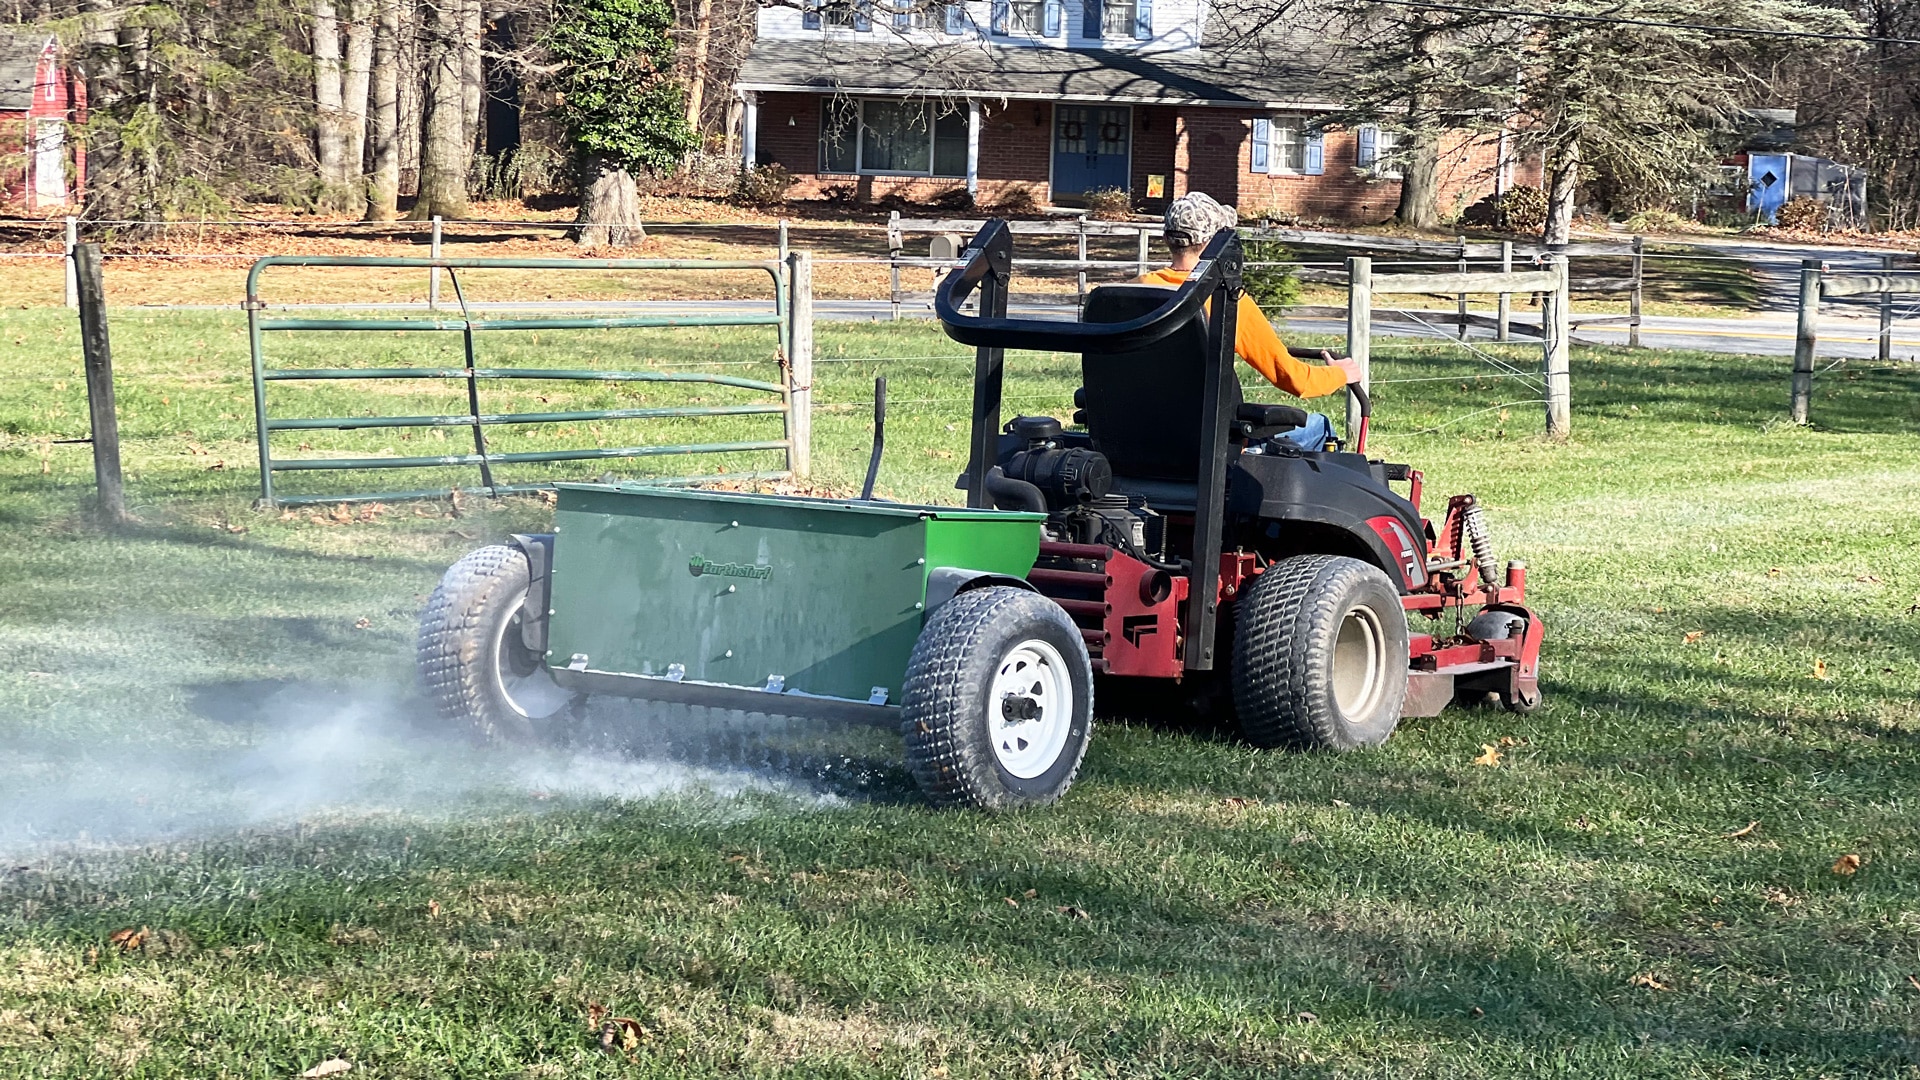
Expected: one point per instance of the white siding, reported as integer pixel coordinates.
(1176, 26)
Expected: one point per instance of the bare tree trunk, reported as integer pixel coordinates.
(383, 182)
(1562, 188)
(406, 135)
(1420, 182)
(329, 143)
(445, 153)
(702, 44)
(472, 78)
(354, 86)
(609, 207)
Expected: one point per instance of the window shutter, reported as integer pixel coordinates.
(863, 15)
(955, 16)
(1090, 19)
(1002, 16)
(810, 16)
(1314, 155)
(1369, 143)
(1262, 136)
(1050, 19)
(1143, 20)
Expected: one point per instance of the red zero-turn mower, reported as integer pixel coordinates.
(1195, 551)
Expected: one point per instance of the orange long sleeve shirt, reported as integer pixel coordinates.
(1263, 350)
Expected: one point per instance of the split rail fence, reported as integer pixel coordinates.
(1819, 283)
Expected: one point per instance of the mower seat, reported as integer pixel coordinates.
(1143, 409)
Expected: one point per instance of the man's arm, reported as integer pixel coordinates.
(1261, 348)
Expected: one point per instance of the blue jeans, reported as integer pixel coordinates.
(1314, 436)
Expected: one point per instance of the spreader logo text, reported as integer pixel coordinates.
(700, 567)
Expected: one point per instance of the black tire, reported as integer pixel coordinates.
(950, 719)
(471, 658)
(1320, 655)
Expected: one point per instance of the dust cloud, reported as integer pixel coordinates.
(280, 753)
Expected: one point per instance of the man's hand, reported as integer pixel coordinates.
(1346, 364)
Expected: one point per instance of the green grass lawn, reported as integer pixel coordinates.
(208, 730)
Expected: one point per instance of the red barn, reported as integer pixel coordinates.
(42, 105)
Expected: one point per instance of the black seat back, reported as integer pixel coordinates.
(1144, 408)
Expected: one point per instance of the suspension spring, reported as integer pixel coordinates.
(1474, 524)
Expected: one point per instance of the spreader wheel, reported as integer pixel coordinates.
(476, 667)
(998, 705)
(1320, 655)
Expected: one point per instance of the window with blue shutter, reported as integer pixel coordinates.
(1090, 18)
(1262, 136)
(863, 15)
(1368, 141)
(1316, 154)
(1143, 20)
(956, 19)
(903, 14)
(1002, 16)
(810, 15)
(1050, 19)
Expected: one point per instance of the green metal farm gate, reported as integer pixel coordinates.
(790, 397)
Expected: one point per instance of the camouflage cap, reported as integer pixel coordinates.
(1193, 218)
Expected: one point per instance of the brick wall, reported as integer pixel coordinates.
(1197, 149)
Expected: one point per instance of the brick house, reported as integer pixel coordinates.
(987, 96)
(42, 103)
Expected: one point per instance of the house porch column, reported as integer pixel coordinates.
(973, 147)
(750, 129)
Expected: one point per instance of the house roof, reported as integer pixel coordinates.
(19, 60)
(990, 70)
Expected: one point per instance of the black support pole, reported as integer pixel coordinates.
(99, 362)
(989, 371)
(1216, 412)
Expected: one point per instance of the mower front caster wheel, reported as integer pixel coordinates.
(998, 705)
(477, 669)
(1320, 655)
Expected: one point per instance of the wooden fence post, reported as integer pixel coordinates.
(1503, 312)
(1633, 300)
(783, 241)
(73, 279)
(1359, 330)
(1557, 332)
(433, 274)
(104, 418)
(1806, 339)
(1886, 312)
(800, 364)
(1081, 279)
(1462, 299)
(895, 244)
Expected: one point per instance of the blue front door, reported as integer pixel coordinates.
(1090, 149)
(1768, 174)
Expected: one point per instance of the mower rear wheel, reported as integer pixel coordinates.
(1320, 655)
(476, 667)
(997, 709)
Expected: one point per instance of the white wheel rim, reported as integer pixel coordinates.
(1030, 709)
(1359, 663)
(522, 678)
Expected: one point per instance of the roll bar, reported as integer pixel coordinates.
(990, 255)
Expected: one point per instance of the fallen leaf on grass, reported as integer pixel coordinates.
(329, 1067)
(1773, 571)
(1306, 1017)
(362, 624)
(1031, 893)
(1011, 902)
(1072, 912)
(1779, 896)
(621, 1033)
(1693, 636)
(1847, 865)
(1746, 830)
(1489, 755)
(1913, 982)
(1868, 578)
(1647, 981)
(1238, 802)
(129, 939)
(433, 909)
(1819, 669)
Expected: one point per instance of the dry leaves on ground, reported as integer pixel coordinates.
(1647, 981)
(1746, 830)
(1693, 636)
(329, 1067)
(1820, 669)
(1489, 755)
(1847, 865)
